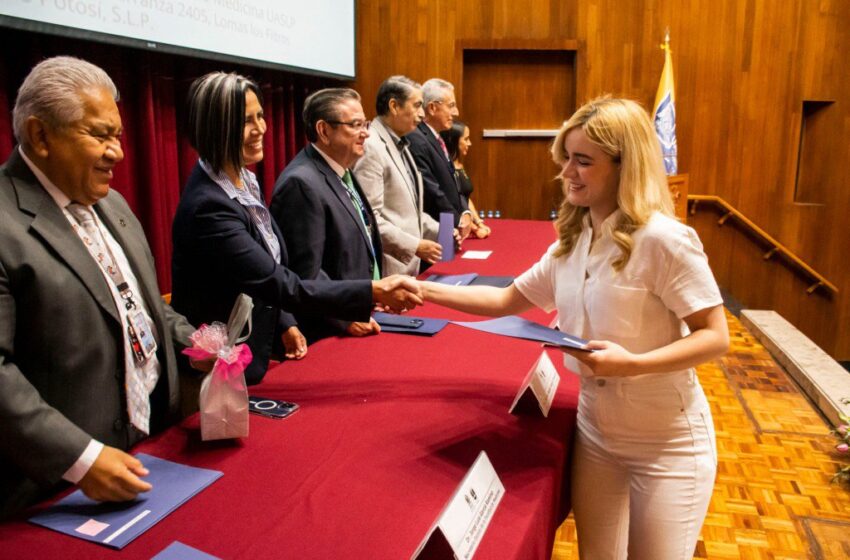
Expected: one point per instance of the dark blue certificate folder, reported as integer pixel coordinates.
(116, 524)
(518, 327)
(429, 327)
(471, 279)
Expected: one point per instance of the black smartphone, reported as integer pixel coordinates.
(401, 321)
(271, 408)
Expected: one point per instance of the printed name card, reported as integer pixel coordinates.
(541, 383)
(463, 521)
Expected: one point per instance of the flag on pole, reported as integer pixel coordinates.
(664, 111)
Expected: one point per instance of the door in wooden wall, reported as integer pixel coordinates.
(515, 90)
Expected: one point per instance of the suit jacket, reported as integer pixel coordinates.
(219, 253)
(62, 340)
(438, 174)
(396, 200)
(323, 231)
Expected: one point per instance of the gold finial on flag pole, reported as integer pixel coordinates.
(666, 45)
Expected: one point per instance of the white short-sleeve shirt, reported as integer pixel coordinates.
(640, 307)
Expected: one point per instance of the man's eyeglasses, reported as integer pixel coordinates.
(451, 105)
(357, 126)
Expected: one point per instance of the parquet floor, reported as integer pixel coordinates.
(773, 497)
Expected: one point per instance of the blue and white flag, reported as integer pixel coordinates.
(664, 112)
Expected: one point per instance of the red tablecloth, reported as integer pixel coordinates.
(388, 426)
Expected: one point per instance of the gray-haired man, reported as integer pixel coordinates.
(432, 157)
(87, 347)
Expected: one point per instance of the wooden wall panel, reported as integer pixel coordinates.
(742, 68)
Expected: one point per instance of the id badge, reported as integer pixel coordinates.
(143, 334)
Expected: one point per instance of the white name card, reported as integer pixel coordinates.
(480, 255)
(540, 383)
(461, 525)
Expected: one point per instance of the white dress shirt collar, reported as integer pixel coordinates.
(338, 169)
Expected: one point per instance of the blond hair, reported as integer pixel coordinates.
(621, 128)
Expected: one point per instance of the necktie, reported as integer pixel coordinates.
(360, 207)
(137, 388)
(443, 146)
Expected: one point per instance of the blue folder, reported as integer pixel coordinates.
(517, 327)
(179, 551)
(471, 279)
(429, 326)
(446, 236)
(116, 524)
(453, 279)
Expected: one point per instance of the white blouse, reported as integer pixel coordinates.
(641, 307)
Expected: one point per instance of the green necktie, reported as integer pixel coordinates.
(359, 206)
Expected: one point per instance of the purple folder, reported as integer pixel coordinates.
(446, 236)
(116, 524)
(517, 327)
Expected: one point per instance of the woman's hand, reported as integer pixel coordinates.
(294, 343)
(607, 360)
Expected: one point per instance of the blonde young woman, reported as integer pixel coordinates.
(635, 282)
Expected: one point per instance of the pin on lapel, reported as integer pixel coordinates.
(122, 222)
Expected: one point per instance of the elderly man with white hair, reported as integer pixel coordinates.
(87, 346)
(432, 158)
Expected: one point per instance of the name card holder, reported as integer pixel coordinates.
(538, 388)
(463, 521)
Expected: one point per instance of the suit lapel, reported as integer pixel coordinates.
(396, 157)
(51, 225)
(435, 145)
(335, 184)
(116, 220)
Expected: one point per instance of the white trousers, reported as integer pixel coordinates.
(643, 468)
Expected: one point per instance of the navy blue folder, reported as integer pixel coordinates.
(453, 279)
(429, 326)
(116, 524)
(471, 279)
(518, 327)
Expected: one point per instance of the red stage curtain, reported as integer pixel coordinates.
(153, 89)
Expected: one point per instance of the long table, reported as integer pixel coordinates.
(388, 427)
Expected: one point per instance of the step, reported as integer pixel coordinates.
(822, 378)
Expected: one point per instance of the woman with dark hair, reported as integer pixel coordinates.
(225, 242)
(458, 143)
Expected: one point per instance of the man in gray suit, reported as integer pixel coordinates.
(87, 346)
(393, 184)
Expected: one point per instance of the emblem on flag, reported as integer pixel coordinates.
(664, 112)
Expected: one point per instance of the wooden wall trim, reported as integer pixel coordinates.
(519, 44)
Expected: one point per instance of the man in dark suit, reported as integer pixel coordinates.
(76, 279)
(432, 158)
(323, 214)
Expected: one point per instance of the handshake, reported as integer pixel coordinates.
(397, 293)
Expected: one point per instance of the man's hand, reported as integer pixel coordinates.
(364, 329)
(397, 292)
(294, 343)
(607, 360)
(114, 477)
(464, 226)
(429, 251)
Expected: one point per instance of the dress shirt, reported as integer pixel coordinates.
(249, 197)
(641, 307)
(402, 144)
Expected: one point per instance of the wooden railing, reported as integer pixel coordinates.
(776, 246)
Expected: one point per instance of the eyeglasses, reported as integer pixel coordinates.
(357, 126)
(451, 105)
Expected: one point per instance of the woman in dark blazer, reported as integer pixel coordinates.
(225, 242)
